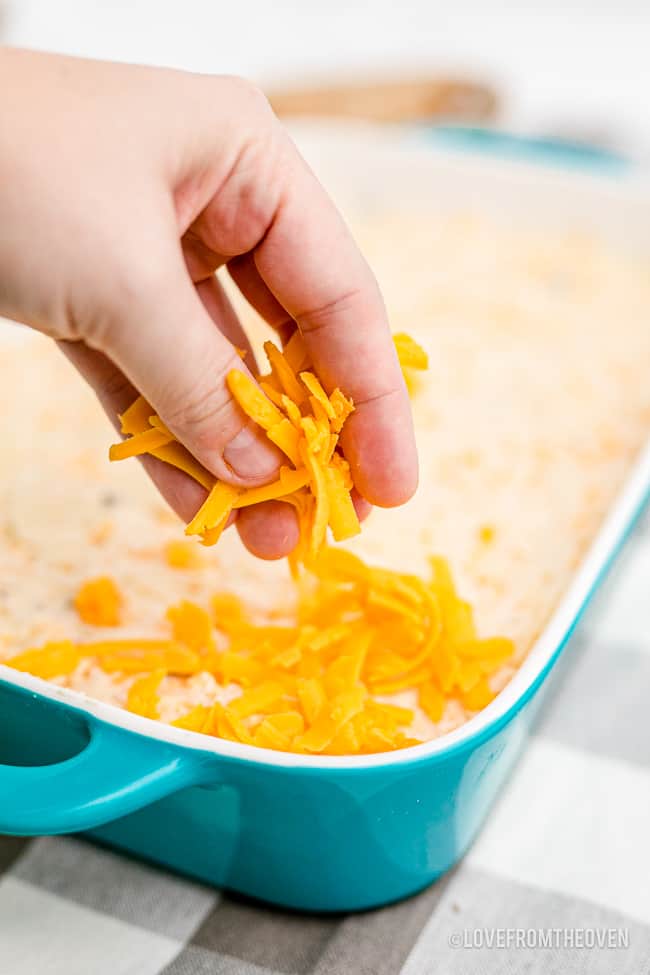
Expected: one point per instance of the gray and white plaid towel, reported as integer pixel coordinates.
(558, 882)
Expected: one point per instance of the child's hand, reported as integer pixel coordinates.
(122, 190)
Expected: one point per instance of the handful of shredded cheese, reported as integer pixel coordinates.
(320, 682)
(298, 416)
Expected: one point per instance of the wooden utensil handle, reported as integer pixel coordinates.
(391, 101)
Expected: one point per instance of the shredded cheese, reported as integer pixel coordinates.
(143, 694)
(99, 602)
(48, 661)
(302, 420)
(183, 555)
(412, 359)
(315, 683)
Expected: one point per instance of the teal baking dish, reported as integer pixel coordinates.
(326, 834)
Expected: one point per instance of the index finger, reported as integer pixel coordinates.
(312, 266)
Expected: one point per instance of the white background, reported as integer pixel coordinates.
(575, 67)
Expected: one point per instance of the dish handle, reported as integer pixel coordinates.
(114, 774)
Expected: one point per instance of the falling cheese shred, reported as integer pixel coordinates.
(302, 420)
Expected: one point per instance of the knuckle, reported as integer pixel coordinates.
(380, 395)
(245, 206)
(248, 95)
(329, 312)
(114, 386)
(96, 328)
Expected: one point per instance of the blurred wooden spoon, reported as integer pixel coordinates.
(391, 101)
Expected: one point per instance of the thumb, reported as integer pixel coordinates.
(170, 349)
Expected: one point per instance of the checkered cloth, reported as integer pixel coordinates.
(568, 846)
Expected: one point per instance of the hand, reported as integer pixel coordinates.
(122, 190)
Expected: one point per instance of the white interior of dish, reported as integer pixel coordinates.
(386, 167)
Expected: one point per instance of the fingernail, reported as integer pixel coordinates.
(250, 457)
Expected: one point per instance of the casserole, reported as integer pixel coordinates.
(322, 833)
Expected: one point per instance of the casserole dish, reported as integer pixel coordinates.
(328, 833)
